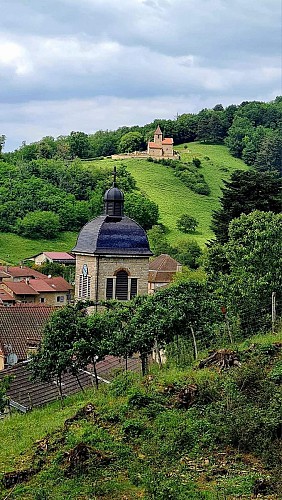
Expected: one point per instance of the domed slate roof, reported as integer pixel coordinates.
(108, 235)
(113, 194)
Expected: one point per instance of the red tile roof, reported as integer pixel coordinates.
(154, 145)
(40, 285)
(5, 296)
(20, 288)
(164, 262)
(59, 256)
(59, 284)
(22, 272)
(162, 269)
(56, 284)
(21, 322)
(29, 394)
(168, 140)
(25, 394)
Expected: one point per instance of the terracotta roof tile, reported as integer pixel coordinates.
(58, 284)
(164, 263)
(168, 140)
(59, 256)
(29, 394)
(40, 285)
(154, 145)
(22, 272)
(20, 288)
(21, 322)
(160, 276)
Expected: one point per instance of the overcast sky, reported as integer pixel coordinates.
(99, 64)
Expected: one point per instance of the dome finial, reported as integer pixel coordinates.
(115, 176)
(113, 199)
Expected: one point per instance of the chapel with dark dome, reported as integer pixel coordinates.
(112, 254)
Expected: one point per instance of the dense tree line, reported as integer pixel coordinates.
(41, 197)
(251, 130)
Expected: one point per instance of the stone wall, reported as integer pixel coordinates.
(106, 267)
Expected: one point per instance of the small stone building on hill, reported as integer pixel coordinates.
(159, 147)
(112, 254)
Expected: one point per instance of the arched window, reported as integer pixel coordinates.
(122, 285)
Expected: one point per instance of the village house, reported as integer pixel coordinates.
(50, 291)
(162, 270)
(18, 273)
(21, 328)
(159, 147)
(63, 258)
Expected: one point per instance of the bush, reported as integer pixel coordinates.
(186, 223)
(133, 428)
(193, 179)
(196, 162)
(39, 225)
(189, 253)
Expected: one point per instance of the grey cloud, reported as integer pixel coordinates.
(132, 51)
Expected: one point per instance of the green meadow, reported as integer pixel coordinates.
(14, 248)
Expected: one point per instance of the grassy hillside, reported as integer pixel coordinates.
(14, 248)
(139, 439)
(173, 197)
(160, 185)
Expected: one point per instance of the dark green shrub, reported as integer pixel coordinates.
(276, 373)
(187, 223)
(196, 162)
(133, 428)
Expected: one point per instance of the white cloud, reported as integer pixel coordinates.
(15, 57)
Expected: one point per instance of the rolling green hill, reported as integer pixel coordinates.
(173, 197)
(160, 185)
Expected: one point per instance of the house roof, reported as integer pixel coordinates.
(21, 272)
(167, 140)
(164, 262)
(20, 323)
(162, 269)
(160, 276)
(155, 145)
(20, 288)
(4, 296)
(58, 256)
(56, 284)
(26, 394)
